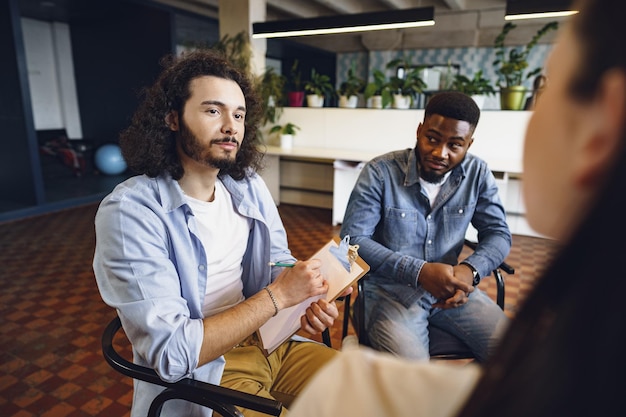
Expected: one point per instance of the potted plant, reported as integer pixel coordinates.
(512, 67)
(478, 87)
(377, 92)
(406, 84)
(317, 88)
(271, 86)
(295, 94)
(287, 132)
(350, 89)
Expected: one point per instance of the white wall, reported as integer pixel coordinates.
(51, 76)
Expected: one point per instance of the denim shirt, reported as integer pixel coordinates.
(151, 267)
(389, 216)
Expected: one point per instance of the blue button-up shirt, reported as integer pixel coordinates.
(390, 217)
(150, 265)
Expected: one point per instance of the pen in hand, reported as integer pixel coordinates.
(283, 264)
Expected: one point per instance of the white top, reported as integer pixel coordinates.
(217, 219)
(362, 382)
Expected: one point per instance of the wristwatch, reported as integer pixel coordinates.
(475, 276)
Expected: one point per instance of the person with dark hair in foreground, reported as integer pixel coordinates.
(409, 212)
(183, 250)
(562, 353)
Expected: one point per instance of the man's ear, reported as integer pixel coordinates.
(171, 120)
(604, 138)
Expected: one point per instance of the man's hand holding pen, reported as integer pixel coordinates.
(300, 281)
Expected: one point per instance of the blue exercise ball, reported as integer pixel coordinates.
(109, 159)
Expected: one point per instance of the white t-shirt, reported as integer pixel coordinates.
(224, 235)
(432, 189)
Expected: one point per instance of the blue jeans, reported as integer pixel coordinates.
(404, 332)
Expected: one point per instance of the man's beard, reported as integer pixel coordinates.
(192, 147)
(431, 177)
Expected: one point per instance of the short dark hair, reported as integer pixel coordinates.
(455, 105)
(148, 144)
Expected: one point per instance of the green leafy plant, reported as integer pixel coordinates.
(353, 85)
(512, 67)
(379, 86)
(318, 84)
(271, 86)
(477, 85)
(295, 76)
(237, 49)
(286, 129)
(411, 83)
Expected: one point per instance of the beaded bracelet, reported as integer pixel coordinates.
(273, 300)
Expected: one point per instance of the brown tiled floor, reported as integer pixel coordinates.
(52, 317)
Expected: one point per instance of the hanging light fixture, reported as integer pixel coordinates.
(536, 9)
(360, 22)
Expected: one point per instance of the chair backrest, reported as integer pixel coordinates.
(223, 400)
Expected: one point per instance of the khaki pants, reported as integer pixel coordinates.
(280, 376)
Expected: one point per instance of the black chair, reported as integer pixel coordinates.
(443, 345)
(222, 400)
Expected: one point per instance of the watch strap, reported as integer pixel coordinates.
(475, 274)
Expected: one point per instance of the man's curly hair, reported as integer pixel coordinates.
(149, 146)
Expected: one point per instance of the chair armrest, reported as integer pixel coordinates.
(504, 266)
(199, 392)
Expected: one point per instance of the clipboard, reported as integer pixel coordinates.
(287, 322)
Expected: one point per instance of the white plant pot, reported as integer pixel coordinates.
(480, 100)
(375, 102)
(313, 100)
(286, 141)
(401, 102)
(348, 102)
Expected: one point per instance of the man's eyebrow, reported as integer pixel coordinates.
(434, 131)
(220, 104)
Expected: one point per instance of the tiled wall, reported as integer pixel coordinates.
(470, 60)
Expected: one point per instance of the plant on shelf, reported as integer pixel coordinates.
(270, 86)
(318, 86)
(287, 131)
(407, 83)
(350, 89)
(512, 65)
(478, 85)
(295, 94)
(378, 90)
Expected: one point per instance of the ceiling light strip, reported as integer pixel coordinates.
(396, 19)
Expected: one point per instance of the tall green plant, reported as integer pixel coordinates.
(270, 87)
(237, 49)
(295, 76)
(511, 67)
